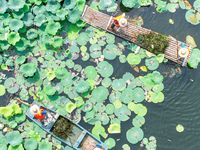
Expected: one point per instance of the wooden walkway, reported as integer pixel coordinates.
(130, 32)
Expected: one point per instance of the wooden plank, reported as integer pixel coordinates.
(130, 32)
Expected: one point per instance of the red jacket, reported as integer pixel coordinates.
(40, 115)
(116, 20)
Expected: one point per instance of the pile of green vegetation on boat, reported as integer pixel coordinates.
(155, 43)
(62, 128)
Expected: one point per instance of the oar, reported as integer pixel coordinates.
(23, 102)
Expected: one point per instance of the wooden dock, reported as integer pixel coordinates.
(130, 32)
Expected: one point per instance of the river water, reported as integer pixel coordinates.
(181, 104)
(182, 92)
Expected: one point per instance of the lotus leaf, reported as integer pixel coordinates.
(30, 144)
(179, 128)
(190, 41)
(34, 135)
(3, 145)
(13, 38)
(114, 128)
(108, 52)
(82, 86)
(129, 3)
(13, 138)
(79, 102)
(194, 58)
(157, 77)
(100, 94)
(134, 135)
(16, 4)
(32, 34)
(118, 84)
(50, 75)
(151, 145)
(18, 15)
(61, 73)
(123, 113)
(151, 63)
(103, 4)
(43, 145)
(2, 90)
(52, 6)
(95, 51)
(4, 45)
(162, 7)
(39, 20)
(145, 3)
(127, 95)
(106, 82)
(57, 41)
(62, 13)
(160, 58)
(114, 96)
(52, 27)
(138, 121)
(74, 52)
(117, 104)
(12, 124)
(105, 69)
(10, 85)
(20, 118)
(122, 58)
(28, 69)
(126, 147)
(15, 24)
(190, 16)
(82, 39)
(157, 97)
(110, 142)
(90, 72)
(70, 107)
(74, 15)
(22, 44)
(128, 77)
(70, 4)
(145, 141)
(196, 5)
(28, 19)
(103, 117)
(99, 130)
(49, 90)
(158, 88)
(89, 117)
(138, 94)
(172, 7)
(133, 59)
(6, 111)
(110, 109)
(140, 110)
(110, 39)
(72, 34)
(4, 6)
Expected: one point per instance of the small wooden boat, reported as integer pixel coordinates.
(80, 139)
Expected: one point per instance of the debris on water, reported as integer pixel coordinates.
(192, 80)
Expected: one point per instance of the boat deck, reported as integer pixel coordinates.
(130, 32)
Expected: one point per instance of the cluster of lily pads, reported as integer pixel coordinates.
(71, 71)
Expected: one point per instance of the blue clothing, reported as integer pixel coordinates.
(99, 146)
(183, 45)
(44, 112)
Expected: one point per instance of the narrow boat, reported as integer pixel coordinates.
(79, 139)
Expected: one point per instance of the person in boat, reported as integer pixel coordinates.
(97, 146)
(119, 21)
(183, 51)
(39, 113)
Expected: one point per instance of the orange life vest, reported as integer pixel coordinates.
(116, 20)
(39, 115)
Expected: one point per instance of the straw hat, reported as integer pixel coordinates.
(34, 109)
(183, 52)
(97, 148)
(122, 22)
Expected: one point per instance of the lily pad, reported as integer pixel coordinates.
(110, 142)
(100, 94)
(49, 90)
(157, 97)
(138, 94)
(105, 69)
(30, 144)
(4, 6)
(13, 138)
(106, 82)
(140, 110)
(133, 59)
(28, 69)
(90, 72)
(2, 90)
(134, 135)
(15, 24)
(82, 39)
(82, 86)
(114, 128)
(110, 109)
(151, 63)
(70, 107)
(99, 130)
(61, 73)
(118, 84)
(74, 15)
(179, 128)
(95, 51)
(13, 38)
(138, 121)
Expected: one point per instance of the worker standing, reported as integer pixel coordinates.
(119, 21)
(37, 112)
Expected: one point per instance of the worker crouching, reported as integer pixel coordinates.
(119, 21)
(39, 113)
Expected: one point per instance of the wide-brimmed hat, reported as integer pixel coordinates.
(183, 52)
(34, 109)
(122, 22)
